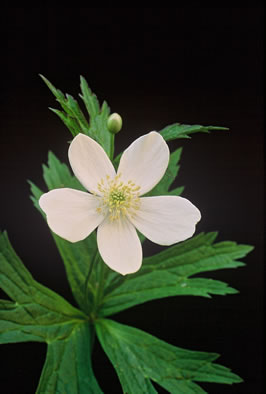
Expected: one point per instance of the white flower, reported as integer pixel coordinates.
(114, 205)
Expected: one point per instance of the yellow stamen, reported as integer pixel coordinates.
(117, 198)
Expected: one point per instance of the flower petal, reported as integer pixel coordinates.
(71, 214)
(145, 161)
(89, 162)
(119, 246)
(166, 220)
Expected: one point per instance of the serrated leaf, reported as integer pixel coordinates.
(56, 92)
(98, 118)
(34, 322)
(90, 100)
(57, 174)
(168, 273)
(37, 312)
(40, 315)
(76, 111)
(73, 117)
(68, 366)
(69, 122)
(139, 357)
(178, 130)
(98, 126)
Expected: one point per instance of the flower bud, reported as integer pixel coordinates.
(114, 123)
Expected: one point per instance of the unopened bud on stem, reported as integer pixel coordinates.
(114, 123)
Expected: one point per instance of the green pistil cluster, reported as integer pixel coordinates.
(118, 199)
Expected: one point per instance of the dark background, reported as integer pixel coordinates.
(155, 66)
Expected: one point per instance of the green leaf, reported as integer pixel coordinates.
(68, 366)
(98, 118)
(34, 322)
(98, 126)
(90, 100)
(178, 130)
(77, 257)
(168, 273)
(175, 131)
(39, 314)
(57, 174)
(139, 357)
(69, 122)
(73, 117)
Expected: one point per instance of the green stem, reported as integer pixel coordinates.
(87, 281)
(112, 148)
(88, 275)
(100, 285)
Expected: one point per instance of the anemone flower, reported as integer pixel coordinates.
(114, 203)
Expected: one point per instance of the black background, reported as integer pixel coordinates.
(155, 66)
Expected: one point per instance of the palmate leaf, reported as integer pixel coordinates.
(168, 273)
(77, 257)
(139, 358)
(40, 315)
(74, 119)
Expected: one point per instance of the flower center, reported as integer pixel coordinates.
(118, 198)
